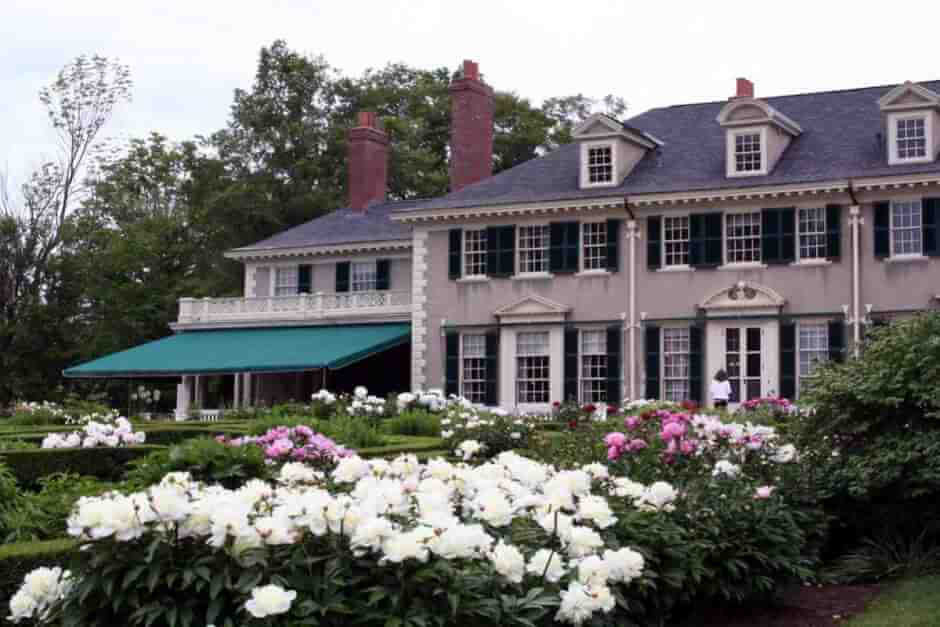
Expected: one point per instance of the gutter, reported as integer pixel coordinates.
(632, 236)
(855, 222)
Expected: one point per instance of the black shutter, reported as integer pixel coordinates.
(571, 364)
(788, 360)
(614, 352)
(696, 365)
(455, 256)
(492, 368)
(837, 340)
(382, 274)
(705, 240)
(882, 229)
(931, 226)
(654, 242)
(778, 235)
(563, 247)
(500, 251)
(451, 363)
(833, 232)
(303, 279)
(714, 240)
(651, 345)
(342, 276)
(613, 245)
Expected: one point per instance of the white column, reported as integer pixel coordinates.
(855, 221)
(247, 389)
(183, 396)
(197, 383)
(633, 234)
(236, 393)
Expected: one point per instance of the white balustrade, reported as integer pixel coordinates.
(295, 307)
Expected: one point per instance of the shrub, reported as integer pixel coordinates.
(18, 444)
(414, 422)
(107, 464)
(898, 550)
(16, 560)
(205, 459)
(496, 431)
(41, 515)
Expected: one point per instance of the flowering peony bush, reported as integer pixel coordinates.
(97, 434)
(494, 430)
(298, 443)
(42, 591)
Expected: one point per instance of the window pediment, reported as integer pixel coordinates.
(909, 96)
(751, 111)
(533, 308)
(743, 295)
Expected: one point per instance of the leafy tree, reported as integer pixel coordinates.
(567, 112)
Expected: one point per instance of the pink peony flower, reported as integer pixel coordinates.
(631, 422)
(615, 439)
(764, 492)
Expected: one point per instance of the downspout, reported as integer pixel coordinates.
(855, 221)
(632, 236)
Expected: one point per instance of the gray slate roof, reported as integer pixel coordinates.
(343, 226)
(839, 140)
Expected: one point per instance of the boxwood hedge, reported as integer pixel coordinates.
(103, 463)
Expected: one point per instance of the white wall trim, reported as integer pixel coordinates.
(307, 251)
(419, 321)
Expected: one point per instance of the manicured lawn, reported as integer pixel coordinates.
(911, 603)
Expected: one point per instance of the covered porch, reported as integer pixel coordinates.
(250, 367)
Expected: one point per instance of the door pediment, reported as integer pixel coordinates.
(533, 308)
(743, 296)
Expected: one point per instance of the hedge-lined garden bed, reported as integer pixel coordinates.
(108, 464)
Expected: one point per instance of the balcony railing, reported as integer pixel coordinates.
(297, 307)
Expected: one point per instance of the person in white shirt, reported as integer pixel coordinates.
(720, 389)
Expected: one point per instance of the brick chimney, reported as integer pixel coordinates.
(471, 128)
(744, 88)
(367, 154)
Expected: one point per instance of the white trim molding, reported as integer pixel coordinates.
(892, 120)
(419, 312)
(743, 295)
(532, 308)
(309, 251)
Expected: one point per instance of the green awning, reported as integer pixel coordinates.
(271, 349)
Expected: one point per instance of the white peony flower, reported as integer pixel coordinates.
(579, 602)
(508, 562)
(624, 565)
(555, 565)
(784, 454)
(724, 468)
(594, 571)
(269, 600)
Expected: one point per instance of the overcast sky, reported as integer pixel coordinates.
(186, 57)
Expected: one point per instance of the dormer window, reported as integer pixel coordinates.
(910, 135)
(911, 113)
(748, 152)
(600, 164)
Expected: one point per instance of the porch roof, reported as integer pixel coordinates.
(270, 349)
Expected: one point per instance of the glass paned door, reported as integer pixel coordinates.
(743, 362)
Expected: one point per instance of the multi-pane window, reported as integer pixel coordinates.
(743, 237)
(911, 138)
(600, 164)
(676, 240)
(533, 380)
(813, 347)
(906, 238)
(812, 233)
(747, 152)
(676, 364)
(363, 275)
(474, 252)
(533, 248)
(594, 238)
(473, 371)
(286, 281)
(593, 366)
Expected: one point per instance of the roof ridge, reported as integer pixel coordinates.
(791, 95)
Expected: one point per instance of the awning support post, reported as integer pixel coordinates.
(183, 396)
(236, 394)
(247, 390)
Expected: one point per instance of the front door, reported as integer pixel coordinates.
(746, 351)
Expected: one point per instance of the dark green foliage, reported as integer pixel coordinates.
(41, 515)
(16, 560)
(205, 459)
(107, 464)
(900, 549)
(414, 422)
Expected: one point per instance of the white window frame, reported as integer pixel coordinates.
(664, 253)
(731, 152)
(726, 236)
(813, 350)
(357, 285)
(800, 233)
(479, 367)
(586, 148)
(289, 287)
(893, 119)
(918, 203)
(688, 361)
(466, 252)
(583, 355)
(582, 252)
(520, 262)
(519, 356)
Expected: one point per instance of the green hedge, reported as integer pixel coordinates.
(402, 444)
(155, 435)
(16, 560)
(103, 463)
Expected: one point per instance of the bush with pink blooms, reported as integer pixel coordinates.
(296, 444)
